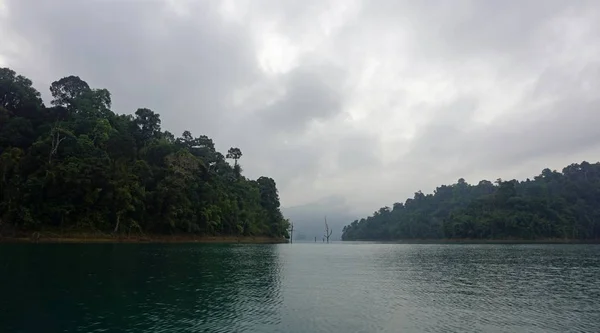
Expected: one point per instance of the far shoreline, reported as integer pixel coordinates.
(481, 241)
(84, 238)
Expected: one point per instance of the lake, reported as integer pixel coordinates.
(300, 287)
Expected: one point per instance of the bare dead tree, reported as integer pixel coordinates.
(327, 231)
(55, 134)
(291, 232)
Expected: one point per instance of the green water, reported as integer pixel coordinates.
(299, 288)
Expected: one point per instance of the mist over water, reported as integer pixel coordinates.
(300, 287)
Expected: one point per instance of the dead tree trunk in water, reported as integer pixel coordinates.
(327, 231)
(291, 232)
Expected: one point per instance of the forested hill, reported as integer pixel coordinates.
(563, 205)
(76, 165)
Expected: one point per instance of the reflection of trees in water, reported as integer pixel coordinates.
(221, 287)
(140, 288)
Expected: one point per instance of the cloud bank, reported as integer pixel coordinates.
(368, 101)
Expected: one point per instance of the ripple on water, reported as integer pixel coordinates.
(300, 288)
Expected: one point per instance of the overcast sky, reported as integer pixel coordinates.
(359, 102)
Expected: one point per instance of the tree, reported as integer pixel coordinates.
(148, 125)
(66, 90)
(234, 153)
(17, 92)
(57, 136)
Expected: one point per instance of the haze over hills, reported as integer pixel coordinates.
(309, 221)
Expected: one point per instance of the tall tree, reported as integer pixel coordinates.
(148, 125)
(66, 90)
(234, 153)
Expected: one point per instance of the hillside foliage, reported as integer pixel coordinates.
(553, 205)
(77, 165)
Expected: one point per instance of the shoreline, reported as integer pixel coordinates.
(483, 241)
(83, 238)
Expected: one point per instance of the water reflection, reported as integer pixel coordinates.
(141, 288)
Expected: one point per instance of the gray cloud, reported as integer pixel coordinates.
(369, 101)
(358, 151)
(310, 94)
(450, 29)
(561, 128)
(145, 54)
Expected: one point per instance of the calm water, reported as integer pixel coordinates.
(299, 288)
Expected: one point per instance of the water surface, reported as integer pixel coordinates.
(301, 287)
